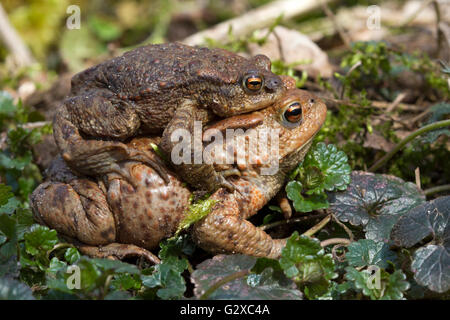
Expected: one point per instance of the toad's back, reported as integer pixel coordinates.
(153, 69)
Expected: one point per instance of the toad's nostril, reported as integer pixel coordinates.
(272, 84)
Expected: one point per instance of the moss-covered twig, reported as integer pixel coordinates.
(409, 138)
(433, 190)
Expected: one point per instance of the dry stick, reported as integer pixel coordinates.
(327, 242)
(401, 144)
(19, 51)
(440, 35)
(255, 19)
(396, 102)
(346, 229)
(317, 227)
(416, 13)
(373, 104)
(344, 36)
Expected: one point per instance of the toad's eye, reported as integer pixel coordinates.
(253, 83)
(293, 113)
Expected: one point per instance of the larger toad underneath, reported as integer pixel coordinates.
(118, 219)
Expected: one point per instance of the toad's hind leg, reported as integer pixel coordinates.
(101, 115)
(79, 212)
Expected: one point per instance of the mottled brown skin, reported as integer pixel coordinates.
(119, 219)
(154, 89)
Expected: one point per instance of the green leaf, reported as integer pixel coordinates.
(392, 286)
(167, 275)
(376, 202)
(115, 266)
(8, 247)
(430, 262)
(307, 203)
(325, 168)
(305, 261)
(366, 252)
(104, 29)
(40, 239)
(266, 285)
(72, 255)
(5, 194)
(11, 289)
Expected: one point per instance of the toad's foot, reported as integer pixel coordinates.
(118, 251)
(98, 157)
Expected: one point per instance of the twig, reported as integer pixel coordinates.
(343, 226)
(294, 220)
(433, 190)
(352, 68)
(417, 174)
(440, 35)
(416, 13)
(344, 36)
(328, 242)
(401, 144)
(255, 19)
(218, 284)
(34, 125)
(396, 102)
(19, 51)
(373, 104)
(317, 227)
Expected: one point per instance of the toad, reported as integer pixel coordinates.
(113, 218)
(152, 90)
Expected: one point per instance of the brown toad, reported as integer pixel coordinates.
(118, 219)
(154, 89)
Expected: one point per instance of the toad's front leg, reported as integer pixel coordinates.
(225, 230)
(183, 141)
(88, 129)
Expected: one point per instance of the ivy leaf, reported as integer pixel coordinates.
(376, 202)
(40, 239)
(167, 275)
(126, 281)
(331, 163)
(430, 262)
(305, 261)
(265, 285)
(392, 286)
(366, 252)
(115, 266)
(5, 194)
(307, 203)
(168, 278)
(72, 255)
(11, 289)
(8, 246)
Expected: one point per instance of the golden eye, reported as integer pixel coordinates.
(253, 83)
(293, 113)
